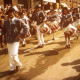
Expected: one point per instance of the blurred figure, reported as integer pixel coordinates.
(23, 17)
(67, 21)
(1, 34)
(38, 18)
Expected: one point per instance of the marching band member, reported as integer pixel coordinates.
(38, 17)
(56, 22)
(21, 16)
(65, 17)
(1, 34)
(14, 29)
(75, 16)
(46, 18)
(70, 29)
(53, 22)
(76, 21)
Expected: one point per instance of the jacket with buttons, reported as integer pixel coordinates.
(11, 31)
(66, 20)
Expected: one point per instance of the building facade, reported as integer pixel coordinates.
(30, 4)
(71, 3)
(4, 2)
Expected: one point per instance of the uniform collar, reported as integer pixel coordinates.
(12, 18)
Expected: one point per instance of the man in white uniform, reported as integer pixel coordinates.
(38, 17)
(14, 30)
(21, 16)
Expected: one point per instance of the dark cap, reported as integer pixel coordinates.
(38, 6)
(11, 9)
(65, 8)
(21, 13)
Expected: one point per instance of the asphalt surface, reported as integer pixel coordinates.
(52, 62)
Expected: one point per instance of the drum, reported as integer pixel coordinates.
(70, 29)
(54, 26)
(44, 28)
(78, 25)
(28, 34)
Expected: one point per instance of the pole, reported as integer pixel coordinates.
(28, 2)
(32, 4)
(59, 3)
(72, 3)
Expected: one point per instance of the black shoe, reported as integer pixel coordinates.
(23, 45)
(1, 46)
(43, 45)
(40, 46)
(53, 39)
(66, 46)
(17, 68)
(69, 46)
(77, 37)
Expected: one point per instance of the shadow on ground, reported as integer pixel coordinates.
(47, 53)
(7, 73)
(75, 65)
(49, 58)
(4, 74)
(60, 43)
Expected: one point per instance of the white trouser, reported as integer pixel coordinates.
(67, 41)
(13, 54)
(40, 36)
(24, 41)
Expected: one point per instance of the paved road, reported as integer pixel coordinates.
(52, 62)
